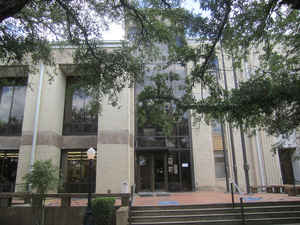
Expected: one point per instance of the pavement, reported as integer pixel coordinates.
(209, 197)
(187, 198)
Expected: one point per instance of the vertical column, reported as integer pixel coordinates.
(49, 123)
(113, 147)
(204, 167)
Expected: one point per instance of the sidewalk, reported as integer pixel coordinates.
(209, 197)
(186, 198)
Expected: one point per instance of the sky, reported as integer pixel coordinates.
(117, 32)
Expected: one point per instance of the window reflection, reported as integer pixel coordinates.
(75, 171)
(81, 115)
(152, 135)
(218, 149)
(8, 170)
(12, 102)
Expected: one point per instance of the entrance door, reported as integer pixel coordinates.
(160, 175)
(286, 166)
(145, 176)
(152, 172)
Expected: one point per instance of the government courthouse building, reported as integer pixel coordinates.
(44, 120)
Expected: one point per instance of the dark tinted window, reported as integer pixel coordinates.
(75, 171)
(8, 170)
(80, 117)
(12, 102)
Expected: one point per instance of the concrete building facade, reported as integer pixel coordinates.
(201, 158)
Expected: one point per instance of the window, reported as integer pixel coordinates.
(150, 132)
(12, 102)
(219, 164)
(81, 116)
(8, 170)
(75, 171)
(218, 149)
(216, 127)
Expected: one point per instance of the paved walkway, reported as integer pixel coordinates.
(184, 198)
(209, 197)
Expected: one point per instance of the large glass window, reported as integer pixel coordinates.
(81, 115)
(218, 149)
(8, 170)
(12, 102)
(75, 171)
(151, 130)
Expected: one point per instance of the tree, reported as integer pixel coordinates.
(270, 98)
(43, 177)
(235, 25)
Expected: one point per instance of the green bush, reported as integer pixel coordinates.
(103, 210)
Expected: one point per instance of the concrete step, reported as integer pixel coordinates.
(228, 216)
(166, 212)
(222, 205)
(265, 221)
(263, 213)
(185, 218)
(202, 222)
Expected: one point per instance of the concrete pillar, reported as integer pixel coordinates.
(48, 144)
(114, 145)
(203, 155)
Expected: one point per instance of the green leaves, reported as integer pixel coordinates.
(43, 177)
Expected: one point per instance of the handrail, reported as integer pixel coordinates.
(232, 183)
(132, 189)
(242, 210)
(237, 187)
(5, 197)
(58, 195)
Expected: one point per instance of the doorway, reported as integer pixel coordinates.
(287, 172)
(151, 172)
(163, 171)
(160, 176)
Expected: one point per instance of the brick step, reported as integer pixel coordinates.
(166, 212)
(227, 216)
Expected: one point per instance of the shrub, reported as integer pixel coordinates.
(103, 210)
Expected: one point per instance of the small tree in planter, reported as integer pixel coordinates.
(42, 178)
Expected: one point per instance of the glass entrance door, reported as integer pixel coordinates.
(160, 172)
(145, 177)
(163, 171)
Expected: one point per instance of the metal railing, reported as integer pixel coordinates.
(132, 190)
(65, 198)
(77, 187)
(80, 128)
(233, 186)
(7, 187)
(162, 141)
(11, 129)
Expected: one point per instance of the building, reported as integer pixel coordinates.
(57, 123)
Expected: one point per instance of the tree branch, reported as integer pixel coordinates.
(9, 8)
(218, 37)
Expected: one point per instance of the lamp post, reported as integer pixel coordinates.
(88, 217)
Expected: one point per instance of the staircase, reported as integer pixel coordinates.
(259, 213)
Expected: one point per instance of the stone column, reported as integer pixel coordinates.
(203, 155)
(50, 120)
(114, 145)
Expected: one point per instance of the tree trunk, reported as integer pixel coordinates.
(11, 7)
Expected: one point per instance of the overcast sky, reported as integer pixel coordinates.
(116, 31)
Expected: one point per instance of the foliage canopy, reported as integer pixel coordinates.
(269, 99)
